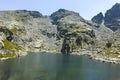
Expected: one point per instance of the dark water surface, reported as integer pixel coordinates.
(57, 67)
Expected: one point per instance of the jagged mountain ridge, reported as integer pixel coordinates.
(63, 31)
(31, 31)
(111, 18)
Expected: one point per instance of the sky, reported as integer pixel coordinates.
(86, 8)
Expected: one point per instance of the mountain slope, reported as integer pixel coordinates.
(30, 30)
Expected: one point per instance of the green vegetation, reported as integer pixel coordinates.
(10, 55)
(9, 45)
(14, 28)
(109, 52)
(12, 49)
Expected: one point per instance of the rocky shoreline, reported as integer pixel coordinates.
(18, 55)
(94, 55)
(91, 54)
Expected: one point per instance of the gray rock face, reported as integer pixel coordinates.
(112, 17)
(98, 18)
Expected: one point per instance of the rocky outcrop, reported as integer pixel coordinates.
(7, 32)
(7, 47)
(98, 18)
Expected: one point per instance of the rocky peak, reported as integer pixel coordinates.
(62, 11)
(116, 6)
(62, 14)
(112, 17)
(98, 18)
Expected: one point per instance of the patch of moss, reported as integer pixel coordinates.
(109, 53)
(13, 29)
(8, 55)
(29, 51)
(114, 55)
(80, 30)
(1, 56)
(9, 45)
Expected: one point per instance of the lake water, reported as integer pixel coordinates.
(48, 66)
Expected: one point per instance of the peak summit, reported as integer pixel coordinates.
(65, 15)
(117, 5)
(98, 18)
(112, 17)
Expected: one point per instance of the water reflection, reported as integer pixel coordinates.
(57, 67)
(64, 71)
